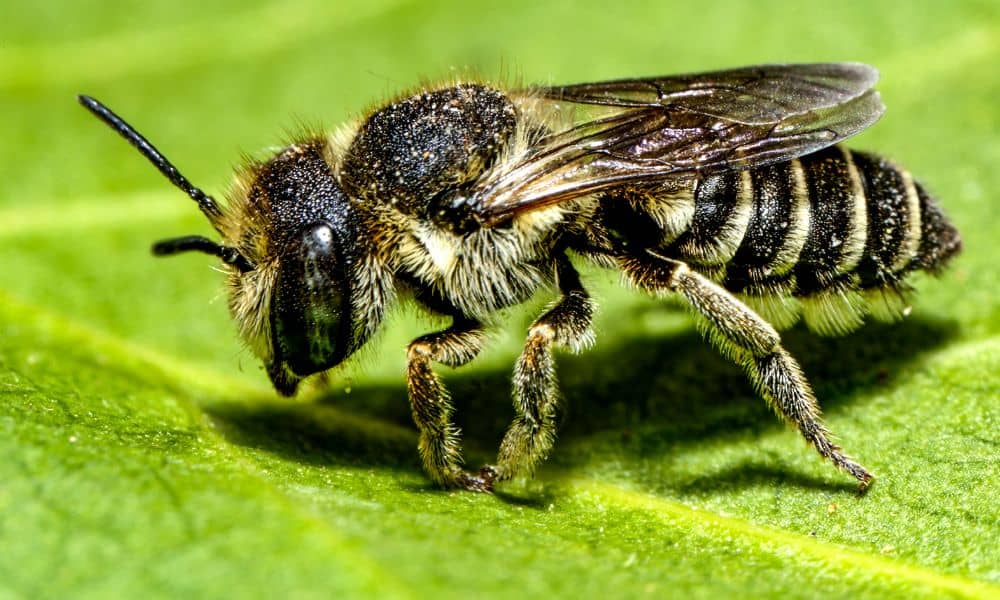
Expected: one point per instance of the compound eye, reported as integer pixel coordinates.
(310, 312)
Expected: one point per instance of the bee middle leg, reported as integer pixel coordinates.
(749, 340)
(440, 444)
(535, 386)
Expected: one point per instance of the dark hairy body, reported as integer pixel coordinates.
(470, 199)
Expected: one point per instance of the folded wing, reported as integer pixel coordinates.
(647, 130)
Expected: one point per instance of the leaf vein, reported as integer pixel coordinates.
(775, 541)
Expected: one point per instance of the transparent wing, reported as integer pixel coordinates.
(647, 130)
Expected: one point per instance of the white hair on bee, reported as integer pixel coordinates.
(888, 304)
(338, 140)
(833, 312)
(780, 310)
(250, 305)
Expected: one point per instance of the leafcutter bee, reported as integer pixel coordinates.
(728, 190)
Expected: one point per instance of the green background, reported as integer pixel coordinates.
(141, 451)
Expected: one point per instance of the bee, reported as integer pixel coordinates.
(728, 190)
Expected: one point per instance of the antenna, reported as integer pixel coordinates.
(208, 207)
(199, 243)
(205, 202)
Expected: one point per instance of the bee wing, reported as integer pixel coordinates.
(648, 130)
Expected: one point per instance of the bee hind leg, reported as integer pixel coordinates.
(747, 339)
(440, 444)
(535, 386)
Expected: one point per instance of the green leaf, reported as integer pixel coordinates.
(143, 452)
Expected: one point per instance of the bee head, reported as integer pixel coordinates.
(290, 217)
(290, 247)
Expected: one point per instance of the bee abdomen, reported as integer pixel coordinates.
(777, 231)
(862, 225)
(829, 236)
(722, 209)
(907, 230)
(838, 227)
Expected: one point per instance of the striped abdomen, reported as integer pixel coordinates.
(830, 235)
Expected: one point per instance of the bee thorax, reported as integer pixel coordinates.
(417, 154)
(481, 272)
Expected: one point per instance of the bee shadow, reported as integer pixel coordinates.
(649, 396)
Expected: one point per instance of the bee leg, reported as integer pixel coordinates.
(440, 446)
(536, 394)
(746, 338)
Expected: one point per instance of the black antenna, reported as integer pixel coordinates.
(202, 244)
(208, 207)
(205, 202)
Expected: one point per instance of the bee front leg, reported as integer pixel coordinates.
(536, 388)
(748, 339)
(440, 446)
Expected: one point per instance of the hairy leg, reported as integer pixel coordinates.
(440, 445)
(536, 388)
(749, 340)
